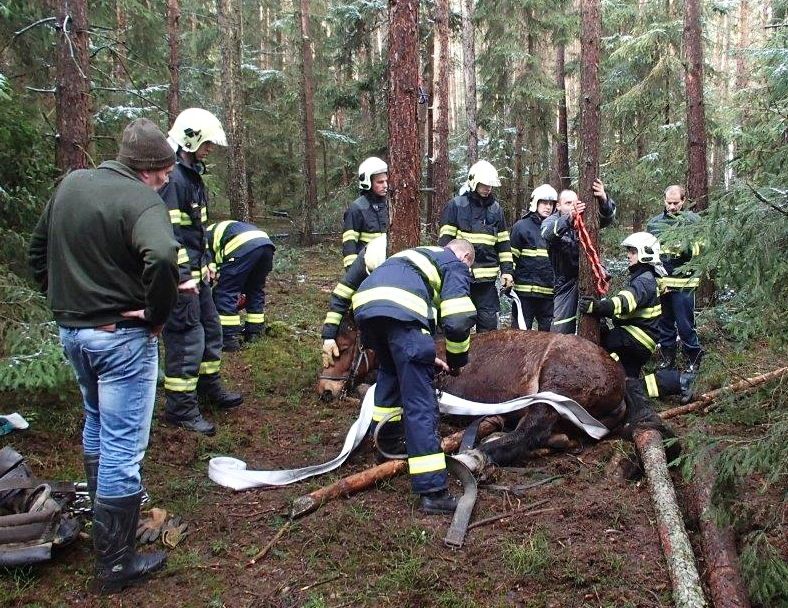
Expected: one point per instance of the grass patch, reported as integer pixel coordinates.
(530, 557)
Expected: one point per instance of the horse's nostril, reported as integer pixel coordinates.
(327, 395)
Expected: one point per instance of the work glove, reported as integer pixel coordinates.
(507, 281)
(596, 308)
(151, 524)
(330, 352)
(173, 532)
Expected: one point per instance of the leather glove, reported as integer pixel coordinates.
(330, 352)
(173, 532)
(150, 525)
(507, 281)
(596, 308)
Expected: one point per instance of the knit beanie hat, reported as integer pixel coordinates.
(144, 147)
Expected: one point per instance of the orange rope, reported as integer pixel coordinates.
(601, 280)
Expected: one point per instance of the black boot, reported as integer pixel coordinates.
(641, 415)
(181, 410)
(91, 462)
(254, 336)
(231, 344)
(197, 423)
(118, 564)
(439, 502)
(668, 355)
(213, 392)
(687, 382)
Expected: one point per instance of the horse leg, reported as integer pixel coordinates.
(533, 431)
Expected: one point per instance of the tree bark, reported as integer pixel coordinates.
(697, 178)
(440, 174)
(308, 114)
(562, 178)
(403, 55)
(434, 204)
(590, 99)
(118, 71)
(469, 70)
(518, 198)
(72, 88)
(229, 13)
(687, 592)
(174, 60)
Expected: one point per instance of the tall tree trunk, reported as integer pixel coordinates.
(440, 174)
(518, 198)
(591, 33)
(562, 178)
(229, 13)
(697, 179)
(307, 101)
(174, 62)
(403, 55)
(469, 70)
(434, 204)
(72, 88)
(118, 71)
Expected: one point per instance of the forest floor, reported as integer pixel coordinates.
(596, 546)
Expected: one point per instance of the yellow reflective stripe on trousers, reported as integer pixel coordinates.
(218, 233)
(484, 273)
(457, 306)
(343, 291)
(425, 265)
(379, 412)
(349, 259)
(393, 295)
(640, 336)
(242, 239)
(458, 348)
(366, 237)
(562, 321)
(175, 216)
(448, 230)
(333, 318)
(477, 238)
(630, 298)
(230, 320)
(534, 253)
(651, 385)
(427, 464)
(350, 235)
(180, 385)
(548, 291)
(183, 256)
(209, 367)
(255, 317)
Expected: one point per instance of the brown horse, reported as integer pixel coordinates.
(511, 363)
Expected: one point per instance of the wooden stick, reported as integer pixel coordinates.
(706, 398)
(687, 592)
(358, 482)
(271, 543)
(494, 518)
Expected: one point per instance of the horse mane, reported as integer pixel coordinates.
(348, 323)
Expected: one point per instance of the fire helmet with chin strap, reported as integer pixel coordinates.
(193, 127)
(371, 166)
(482, 172)
(545, 192)
(647, 246)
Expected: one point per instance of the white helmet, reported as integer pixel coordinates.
(482, 172)
(647, 247)
(545, 192)
(371, 166)
(194, 127)
(375, 254)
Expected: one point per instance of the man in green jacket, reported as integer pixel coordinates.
(104, 253)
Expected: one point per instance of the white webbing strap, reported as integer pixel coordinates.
(232, 472)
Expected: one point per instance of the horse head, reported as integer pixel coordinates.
(353, 363)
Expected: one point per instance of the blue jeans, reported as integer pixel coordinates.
(678, 313)
(116, 372)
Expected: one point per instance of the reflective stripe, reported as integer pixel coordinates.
(615, 357)
(678, 282)
(203, 214)
(425, 265)
(640, 336)
(366, 237)
(175, 216)
(630, 298)
(534, 253)
(457, 306)
(180, 385)
(185, 219)
(255, 317)
(230, 320)
(448, 230)
(343, 291)
(218, 233)
(242, 239)
(393, 295)
(350, 235)
(379, 412)
(427, 464)
(183, 256)
(651, 385)
(562, 321)
(548, 291)
(349, 259)
(616, 301)
(505, 256)
(458, 348)
(200, 274)
(477, 238)
(503, 236)
(209, 367)
(516, 252)
(333, 318)
(644, 313)
(485, 273)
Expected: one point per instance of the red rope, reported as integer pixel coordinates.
(601, 280)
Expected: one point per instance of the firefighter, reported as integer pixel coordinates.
(367, 217)
(395, 310)
(243, 255)
(563, 249)
(192, 334)
(533, 273)
(369, 258)
(476, 215)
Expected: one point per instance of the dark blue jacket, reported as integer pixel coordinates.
(533, 272)
(366, 218)
(229, 240)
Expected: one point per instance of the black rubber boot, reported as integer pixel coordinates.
(668, 356)
(212, 391)
(254, 336)
(198, 424)
(91, 462)
(641, 415)
(118, 564)
(231, 344)
(436, 503)
(687, 382)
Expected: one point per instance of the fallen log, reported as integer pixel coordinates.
(358, 482)
(706, 398)
(723, 575)
(687, 592)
